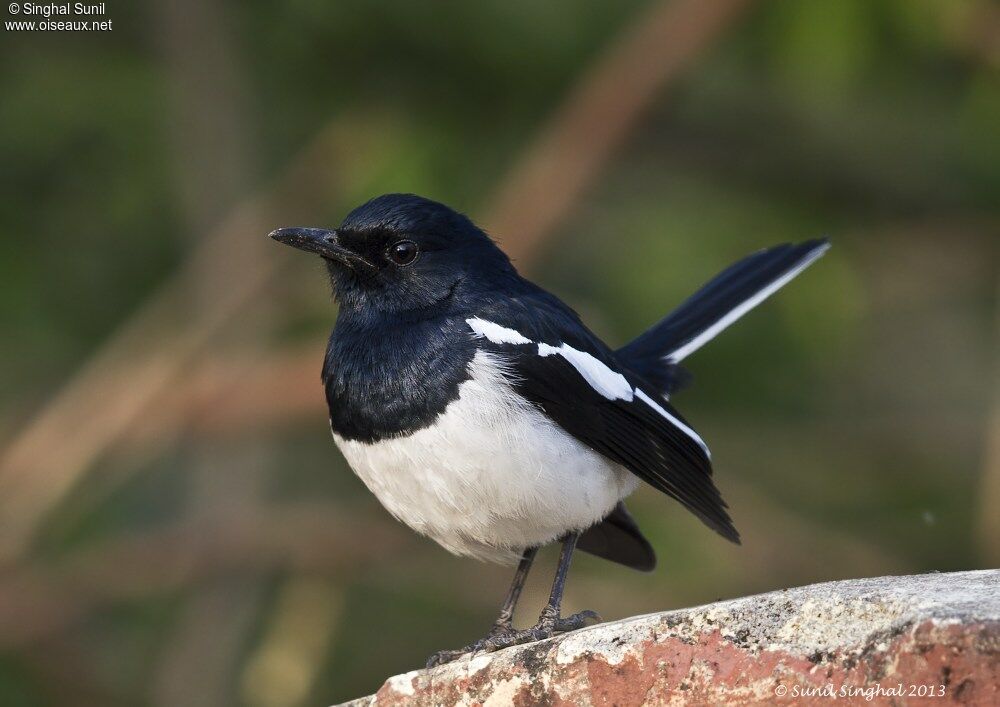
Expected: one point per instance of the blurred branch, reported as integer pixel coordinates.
(598, 114)
(38, 601)
(221, 394)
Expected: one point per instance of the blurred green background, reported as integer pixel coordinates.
(176, 526)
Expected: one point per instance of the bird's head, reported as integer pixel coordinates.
(402, 253)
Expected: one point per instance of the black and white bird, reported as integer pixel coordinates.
(484, 414)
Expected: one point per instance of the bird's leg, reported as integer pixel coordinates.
(551, 621)
(503, 626)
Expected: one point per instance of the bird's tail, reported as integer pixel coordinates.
(728, 296)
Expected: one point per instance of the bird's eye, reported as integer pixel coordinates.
(404, 252)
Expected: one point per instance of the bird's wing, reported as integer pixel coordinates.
(574, 378)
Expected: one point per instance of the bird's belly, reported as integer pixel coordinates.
(491, 475)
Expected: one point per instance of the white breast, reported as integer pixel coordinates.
(492, 475)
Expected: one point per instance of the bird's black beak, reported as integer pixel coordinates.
(320, 241)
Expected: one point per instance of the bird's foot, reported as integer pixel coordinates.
(504, 635)
(500, 628)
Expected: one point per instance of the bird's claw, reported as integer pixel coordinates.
(576, 621)
(505, 636)
(442, 657)
(491, 642)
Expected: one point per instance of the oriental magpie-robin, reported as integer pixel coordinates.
(484, 414)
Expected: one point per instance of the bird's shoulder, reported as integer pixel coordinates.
(543, 340)
(542, 318)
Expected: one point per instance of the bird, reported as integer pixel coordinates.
(483, 413)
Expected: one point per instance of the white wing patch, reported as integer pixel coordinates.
(496, 333)
(609, 383)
